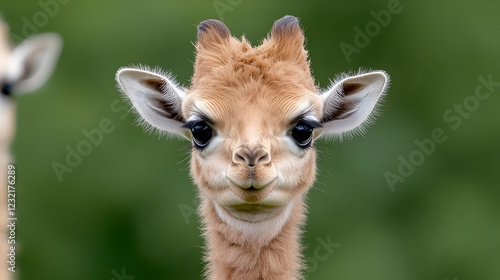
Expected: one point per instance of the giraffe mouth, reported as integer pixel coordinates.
(251, 212)
(253, 192)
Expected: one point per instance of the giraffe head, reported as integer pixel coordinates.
(252, 114)
(23, 69)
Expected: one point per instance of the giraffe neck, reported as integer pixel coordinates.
(248, 253)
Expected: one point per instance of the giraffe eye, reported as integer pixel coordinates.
(6, 88)
(202, 133)
(302, 134)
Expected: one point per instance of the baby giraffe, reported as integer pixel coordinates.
(252, 114)
(22, 69)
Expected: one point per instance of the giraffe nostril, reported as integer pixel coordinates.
(264, 157)
(240, 158)
(251, 157)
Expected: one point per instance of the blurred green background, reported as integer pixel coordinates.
(128, 207)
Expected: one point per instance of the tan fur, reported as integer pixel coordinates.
(232, 256)
(4, 45)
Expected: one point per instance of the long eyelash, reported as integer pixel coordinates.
(311, 123)
(191, 124)
(301, 118)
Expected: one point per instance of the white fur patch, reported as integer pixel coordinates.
(262, 227)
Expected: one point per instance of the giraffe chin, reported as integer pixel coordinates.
(252, 194)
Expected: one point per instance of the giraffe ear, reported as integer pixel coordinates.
(32, 62)
(156, 97)
(350, 103)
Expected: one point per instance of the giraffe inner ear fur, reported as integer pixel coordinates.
(351, 102)
(156, 97)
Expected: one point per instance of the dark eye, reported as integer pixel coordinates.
(302, 134)
(6, 88)
(202, 133)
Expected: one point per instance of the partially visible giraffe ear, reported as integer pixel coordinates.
(156, 97)
(289, 39)
(351, 102)
(32, 62)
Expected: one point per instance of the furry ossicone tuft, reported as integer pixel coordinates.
(286, 26)
(212, 32)
(288, 39)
